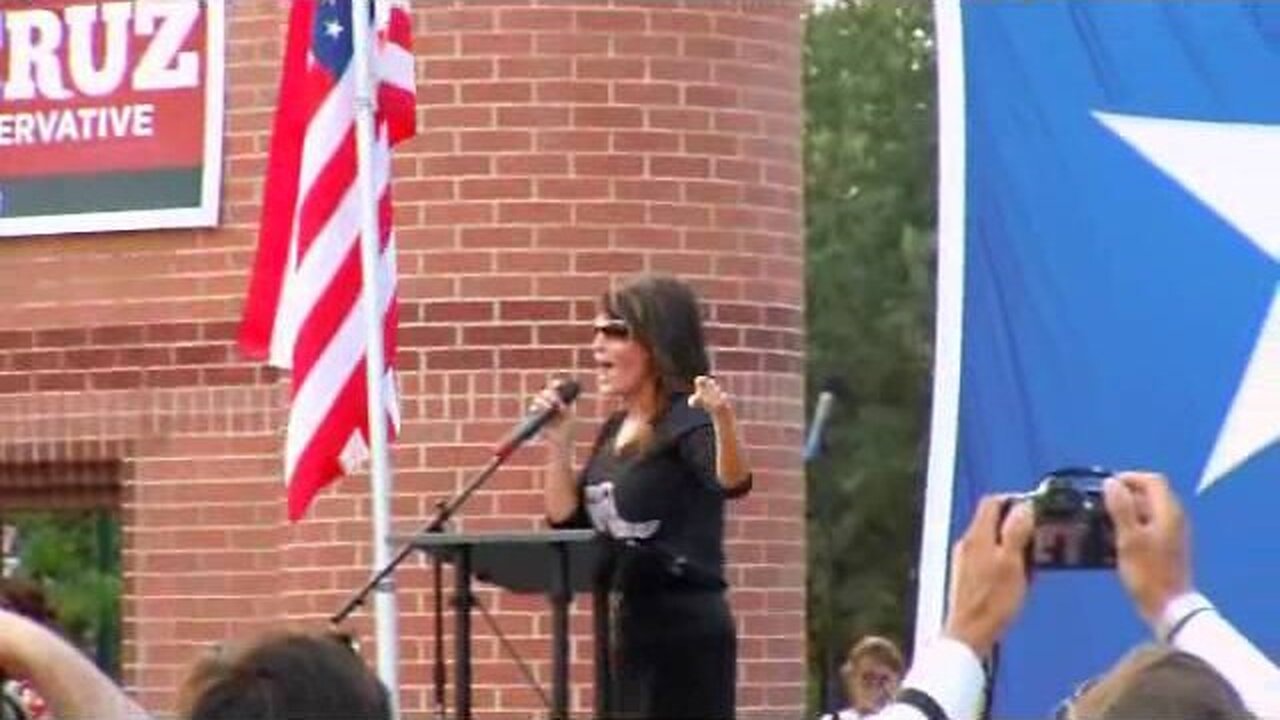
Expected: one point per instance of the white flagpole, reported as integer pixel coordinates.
(380, 460)
(931, 596)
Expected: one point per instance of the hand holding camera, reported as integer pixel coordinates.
(1152, 539)
(988, 577)
(1092, 518)
(1077, 518)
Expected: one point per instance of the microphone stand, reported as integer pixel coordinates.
(815, 448)
(567, 391)
(444, 511)
(439, 679)
(437, 672)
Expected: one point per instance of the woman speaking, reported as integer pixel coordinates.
(656, 481)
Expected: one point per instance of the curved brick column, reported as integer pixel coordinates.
(567, 145)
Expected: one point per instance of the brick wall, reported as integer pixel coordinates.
(563, 146)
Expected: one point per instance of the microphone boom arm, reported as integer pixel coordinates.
(437, 523)
(445, 510)
(567, 390)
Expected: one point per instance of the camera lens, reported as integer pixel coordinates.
(1059, 501)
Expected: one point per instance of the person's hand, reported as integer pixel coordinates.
(559, 429)
(33, 704)
(988, 573)
(708, 395)
(1153, 553)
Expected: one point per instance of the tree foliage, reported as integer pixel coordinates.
(870, 145)
(75, 556)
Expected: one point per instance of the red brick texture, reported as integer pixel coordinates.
(563, 146)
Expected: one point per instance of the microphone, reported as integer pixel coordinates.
(566, 390)
(821, 416)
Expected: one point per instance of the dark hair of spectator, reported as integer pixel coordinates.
(27, 598)
(284, 676)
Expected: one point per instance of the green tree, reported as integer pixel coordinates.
(76, 558)
(870, 151)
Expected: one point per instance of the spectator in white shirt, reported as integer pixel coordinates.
(989, 584)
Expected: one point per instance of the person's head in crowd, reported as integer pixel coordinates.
(27, 598)
(872, 673)
(284, 676)
(1156, 682)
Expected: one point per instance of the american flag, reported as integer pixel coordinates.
(304, 309)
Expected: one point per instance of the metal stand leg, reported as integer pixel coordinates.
(462, 633)
(561, 596)
(603, 652)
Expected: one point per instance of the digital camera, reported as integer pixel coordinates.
(1072, 527)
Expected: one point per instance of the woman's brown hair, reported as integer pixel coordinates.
(663, 315)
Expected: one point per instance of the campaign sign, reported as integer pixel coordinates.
(110, 114)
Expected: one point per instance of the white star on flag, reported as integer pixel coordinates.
(1232, 169)
(333, 28)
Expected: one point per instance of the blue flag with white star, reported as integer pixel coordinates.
(1110, 255)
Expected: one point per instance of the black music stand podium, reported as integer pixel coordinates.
(557, 563)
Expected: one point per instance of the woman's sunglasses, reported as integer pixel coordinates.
(613, 328)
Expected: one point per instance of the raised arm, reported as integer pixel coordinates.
(72, 685)
(732, 469)
(1154, 562)
(989, 584)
